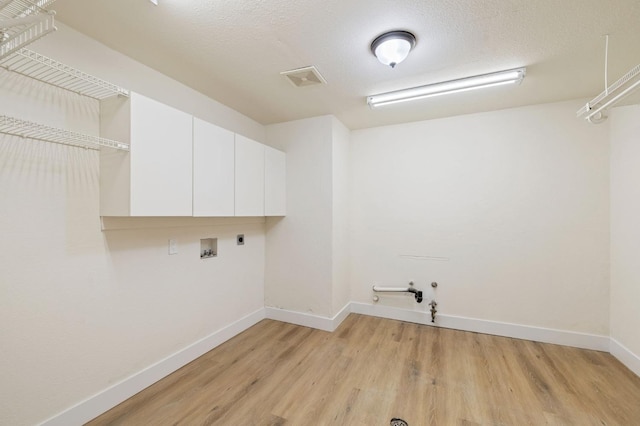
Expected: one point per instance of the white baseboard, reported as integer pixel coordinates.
(537, 334)
(625, 356)
(112, 396)
(341, 316)
(97, 404)
(309, 320)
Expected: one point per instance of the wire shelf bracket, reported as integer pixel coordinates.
(22, 22)
(42, 68)
(30, 130)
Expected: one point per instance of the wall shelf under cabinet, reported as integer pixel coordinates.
(31, 130)
(22, 22)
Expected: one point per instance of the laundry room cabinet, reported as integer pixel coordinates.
(155, 177)
(249, 177)
(275, 195)
(213, 170)
(179, 165)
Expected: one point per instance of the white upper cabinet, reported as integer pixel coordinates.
(155, 177)
(249, 177)
(213, 170)
(179, 165)
(275, 176)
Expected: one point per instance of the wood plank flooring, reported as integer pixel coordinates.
(371, 370)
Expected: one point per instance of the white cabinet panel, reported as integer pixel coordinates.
(275, 177)
(155, 177)
(161, 159)
(249, 177)
(213, 170)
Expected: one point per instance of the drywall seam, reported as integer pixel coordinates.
(518, 331)
(114, 395)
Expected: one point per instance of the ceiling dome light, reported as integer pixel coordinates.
(393, 47)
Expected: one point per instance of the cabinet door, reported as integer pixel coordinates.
(275, 175)
(161, 159)
(249, 177)
(213, 170)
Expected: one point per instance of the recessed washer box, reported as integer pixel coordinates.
(208, 248)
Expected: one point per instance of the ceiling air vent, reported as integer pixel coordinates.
(307, 76)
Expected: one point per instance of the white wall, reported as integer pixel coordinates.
(340, 215)
(307, 251)
(83, 309)
(625, 232)
(75, 49)
(298, 272)
(507, 210)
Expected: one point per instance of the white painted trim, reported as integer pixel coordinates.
(309, 320)
(99, 403)
(625, 356)
(112, 396)
(390, 312)
(518, 331)
(341, 316)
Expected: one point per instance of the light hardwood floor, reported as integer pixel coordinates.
(372, 369)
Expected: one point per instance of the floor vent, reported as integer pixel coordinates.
(307, 76)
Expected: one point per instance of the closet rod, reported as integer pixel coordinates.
(30, 130)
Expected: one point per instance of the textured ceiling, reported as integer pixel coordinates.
(234, 50)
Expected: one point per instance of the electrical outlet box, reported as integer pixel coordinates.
(240, 239)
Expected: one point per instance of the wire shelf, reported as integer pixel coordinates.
(42, 68)
(23, 22)
(21, 8)
(609, 96)
(30, 130)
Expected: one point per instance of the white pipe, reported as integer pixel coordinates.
(391, 289)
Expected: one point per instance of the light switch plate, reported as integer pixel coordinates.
(173, 247)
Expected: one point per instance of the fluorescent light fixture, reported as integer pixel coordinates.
(446, 87)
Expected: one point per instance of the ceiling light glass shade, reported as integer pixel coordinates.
(514, 76)
(393, 47)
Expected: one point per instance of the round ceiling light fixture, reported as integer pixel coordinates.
(393, 47)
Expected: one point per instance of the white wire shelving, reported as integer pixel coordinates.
(23, 22)
(42, 68)
(594, 110)
(30, 130)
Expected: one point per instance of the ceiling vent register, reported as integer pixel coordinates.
(307, 76)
